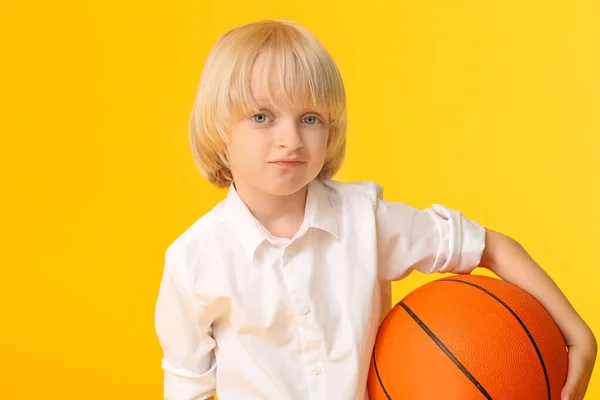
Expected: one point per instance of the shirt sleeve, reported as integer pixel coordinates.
(183, 326)
(434, 239)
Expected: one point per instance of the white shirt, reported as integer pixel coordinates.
(245, 315)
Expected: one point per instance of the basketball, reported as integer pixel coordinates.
(468, 337)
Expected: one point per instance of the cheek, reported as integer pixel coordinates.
(317, 142)
(246, 151)
(235, 152)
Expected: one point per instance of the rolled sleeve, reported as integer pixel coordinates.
(461, 241)
(183, 327)
(185, 384)
(435, 239)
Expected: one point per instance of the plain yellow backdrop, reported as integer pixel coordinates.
(490, 107)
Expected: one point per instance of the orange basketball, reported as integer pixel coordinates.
(468, 337)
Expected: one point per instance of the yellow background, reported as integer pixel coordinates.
(491, 107)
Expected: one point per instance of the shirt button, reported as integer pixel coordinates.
(289, 251)
(316, 370)
(305, 309)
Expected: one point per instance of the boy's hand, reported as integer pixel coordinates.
(509, 260)
(581, 364)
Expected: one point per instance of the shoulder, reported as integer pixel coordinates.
(354, 202)
(350, 191)
(194, 246)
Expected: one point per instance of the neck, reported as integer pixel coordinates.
(281, 215)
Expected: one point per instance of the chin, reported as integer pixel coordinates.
(285, 188)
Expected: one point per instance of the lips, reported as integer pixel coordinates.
(288, 163)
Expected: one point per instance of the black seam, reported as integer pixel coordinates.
(379, 378)
(514, 314)
(447, 351)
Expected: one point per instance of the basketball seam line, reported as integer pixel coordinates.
(537, 350)
(379, 378)
(446, 350)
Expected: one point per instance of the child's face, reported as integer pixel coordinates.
(260, 144)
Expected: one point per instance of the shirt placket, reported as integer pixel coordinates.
(296, 276)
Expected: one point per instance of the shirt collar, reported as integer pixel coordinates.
(319, 213)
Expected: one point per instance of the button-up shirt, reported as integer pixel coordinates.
(246, 315)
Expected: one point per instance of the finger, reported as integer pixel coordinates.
(575, 377)
(568, 392)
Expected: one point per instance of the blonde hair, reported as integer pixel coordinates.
(305, 69)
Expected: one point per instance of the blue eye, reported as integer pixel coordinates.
(311, 120)
(260, 118)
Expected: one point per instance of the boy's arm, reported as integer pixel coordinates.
(508, 260)
(183, 327)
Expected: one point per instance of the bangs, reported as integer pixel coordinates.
(304, 71)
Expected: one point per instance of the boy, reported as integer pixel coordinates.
(277, 293)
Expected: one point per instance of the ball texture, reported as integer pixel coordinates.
(468, 337)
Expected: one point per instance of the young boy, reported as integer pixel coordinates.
(278, 292)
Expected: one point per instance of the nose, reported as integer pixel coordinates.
(289, 136)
